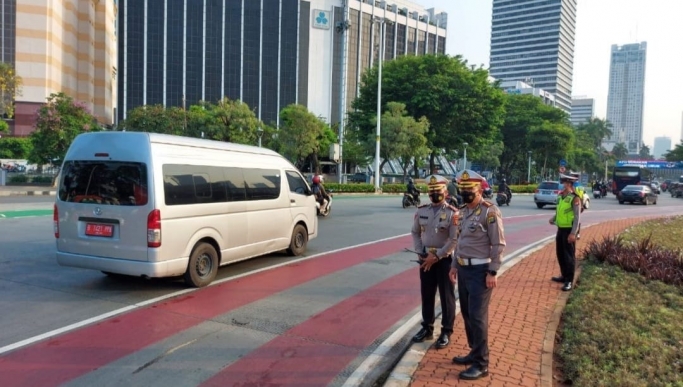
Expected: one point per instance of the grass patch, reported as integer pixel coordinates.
(666, 232)
(620, 328)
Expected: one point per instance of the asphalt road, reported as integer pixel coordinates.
(254, 325)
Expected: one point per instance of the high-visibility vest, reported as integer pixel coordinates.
(564, 213)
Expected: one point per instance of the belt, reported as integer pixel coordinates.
(472, 261)
(432, 250)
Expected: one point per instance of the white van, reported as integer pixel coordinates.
(153, 205)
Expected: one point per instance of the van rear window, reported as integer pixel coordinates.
(115, 183)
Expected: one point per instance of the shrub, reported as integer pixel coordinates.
(18, 179)
(642, 257)
(523, 188)
(42, 179)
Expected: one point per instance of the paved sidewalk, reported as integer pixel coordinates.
(521, 317)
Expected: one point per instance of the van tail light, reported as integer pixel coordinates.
(55, 220)
(154, 229)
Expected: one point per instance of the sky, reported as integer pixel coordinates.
(600, 23)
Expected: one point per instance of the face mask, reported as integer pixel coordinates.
(436, 197)
(468, 197)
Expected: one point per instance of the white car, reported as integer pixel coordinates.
(547, 191)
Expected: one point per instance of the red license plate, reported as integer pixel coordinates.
(102, 230)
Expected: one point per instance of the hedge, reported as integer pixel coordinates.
(26, 179)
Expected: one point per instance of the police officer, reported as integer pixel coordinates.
(434, 236)
(567, 218)
(475, 266)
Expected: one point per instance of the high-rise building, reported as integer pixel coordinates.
(626, 95)
(266, 53)
(583, 109)
(533, 41)
(60, 46)
(662, 145)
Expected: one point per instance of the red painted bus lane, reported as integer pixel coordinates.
(314, 352)
(68, 356)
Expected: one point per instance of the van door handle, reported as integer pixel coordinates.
(292, 201)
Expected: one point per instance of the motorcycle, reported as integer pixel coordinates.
(502, 198)
(603, 192)
(409, 200)
(488, 193)
(597, 194)
(454, 201)
(327, 210)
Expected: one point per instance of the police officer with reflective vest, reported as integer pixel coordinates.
(434, 234)
(567, 218)
(477, 260)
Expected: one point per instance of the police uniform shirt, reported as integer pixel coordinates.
(481, 234)
(435, 228)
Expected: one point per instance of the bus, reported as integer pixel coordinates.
(629, 175)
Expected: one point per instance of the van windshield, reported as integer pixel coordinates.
(115, 183)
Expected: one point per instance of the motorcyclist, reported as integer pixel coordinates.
(505, 188)
(597, 186)
(412, 190)
(321, 195)
(453, 192)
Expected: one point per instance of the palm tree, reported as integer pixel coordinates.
(597, 129)
(620, 151)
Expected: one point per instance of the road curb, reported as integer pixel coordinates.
(27, 193)
(402, 373)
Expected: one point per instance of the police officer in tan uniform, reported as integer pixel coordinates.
(435, 235)
(478, 257)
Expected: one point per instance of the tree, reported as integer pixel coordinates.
(227, 120)
(620, 151)
(522, 114)
(459, 102)
(154, 119)
(402, 136)
(15, 147)
(58, 123)
(4, 127)
(550, 142)
(10, 88)
(597, 130)
(675, 154)
(489, 156)
(301, 135)
(645, 152)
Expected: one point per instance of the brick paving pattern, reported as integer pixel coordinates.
(519, 314)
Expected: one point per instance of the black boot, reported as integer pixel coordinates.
(443, 341)
(422, 335)
(474, 372)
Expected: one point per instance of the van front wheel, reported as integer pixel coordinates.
(203, 265)
(297, 245)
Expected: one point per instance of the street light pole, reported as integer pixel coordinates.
(464, 155)
(528, 172)
(379, 103)
(259, 133)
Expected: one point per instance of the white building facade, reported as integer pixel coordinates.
(626, 95)
(662, 146)
(583, 109)
(533, 41)
(519, 87)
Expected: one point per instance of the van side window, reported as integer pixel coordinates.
(104, 182)
(262, 184)
(296, 183)
(194, 184)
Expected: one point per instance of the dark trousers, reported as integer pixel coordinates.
(437, 278)
(566, 254)
(474, 299)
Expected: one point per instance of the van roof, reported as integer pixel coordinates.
(188, 141)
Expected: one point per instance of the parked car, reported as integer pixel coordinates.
(637, 194)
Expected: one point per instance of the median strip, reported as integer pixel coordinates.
(24, 213)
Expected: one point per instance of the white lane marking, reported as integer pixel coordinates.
(128, 308)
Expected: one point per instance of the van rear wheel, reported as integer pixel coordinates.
(297, 245)
(203, 265)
